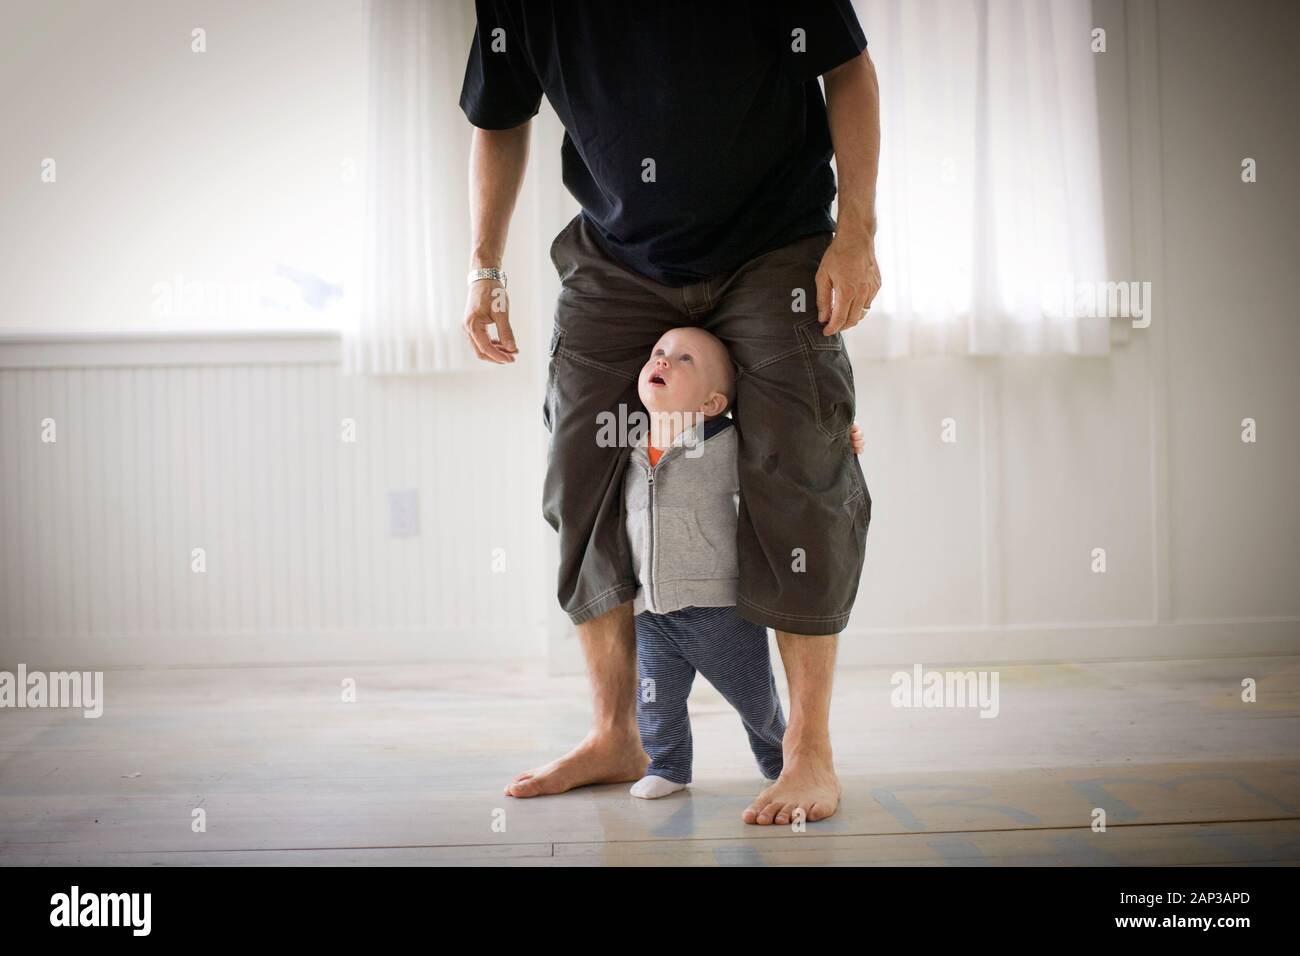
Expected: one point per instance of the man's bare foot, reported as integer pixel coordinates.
(809, 783)
(598, 759)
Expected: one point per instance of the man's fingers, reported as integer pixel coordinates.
(823, 296)
(479, 339)
(487, 349)
(489, 306)
(855, 314)
(868, 297)
(478, 352)
(505, 335)
(499, 315)
(469, 334)
(844, 304)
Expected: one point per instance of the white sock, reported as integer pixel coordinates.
(651, 787)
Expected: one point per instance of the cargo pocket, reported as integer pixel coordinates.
(552, 390)
(830, 376)
(858, 505)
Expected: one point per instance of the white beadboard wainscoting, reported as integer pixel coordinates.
(234, 444)
(979, 550)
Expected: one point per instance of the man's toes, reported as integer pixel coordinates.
(769, 812)
(785, 814)
(819, 811)
(513, 784)
(524, 788)
(802, 811)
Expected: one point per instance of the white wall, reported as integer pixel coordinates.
(977, 551)
(213, 166)
(209, 166)
(247, 461)
(1140, 453)
(1228, 85)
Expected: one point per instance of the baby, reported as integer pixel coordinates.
(680, 493)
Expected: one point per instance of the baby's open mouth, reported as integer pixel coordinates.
(657, 379)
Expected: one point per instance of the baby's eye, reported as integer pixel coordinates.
(686, 358)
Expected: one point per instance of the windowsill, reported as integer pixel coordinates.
(93, 348)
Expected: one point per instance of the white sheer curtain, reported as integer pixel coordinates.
(416, 242)
(990, 204)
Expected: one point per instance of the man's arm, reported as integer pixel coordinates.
(496, 171)
(849, 277)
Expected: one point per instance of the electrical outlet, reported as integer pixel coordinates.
(403, 513)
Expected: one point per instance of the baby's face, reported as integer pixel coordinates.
(683, 373)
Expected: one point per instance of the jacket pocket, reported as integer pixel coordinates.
(682, 549)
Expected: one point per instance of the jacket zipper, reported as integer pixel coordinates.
(650, 483)
(650, 538)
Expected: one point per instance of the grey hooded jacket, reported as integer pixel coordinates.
(681, 520)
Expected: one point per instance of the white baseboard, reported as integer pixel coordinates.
(859, 647)
(168, 348)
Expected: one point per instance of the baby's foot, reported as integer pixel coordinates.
(651, 787)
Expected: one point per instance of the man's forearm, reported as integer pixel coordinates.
(853, 110)
(496, 171)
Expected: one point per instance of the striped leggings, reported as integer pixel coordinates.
(732, 654)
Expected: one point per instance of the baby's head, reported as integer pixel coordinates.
(689, 371)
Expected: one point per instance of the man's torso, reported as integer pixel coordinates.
(690, 142)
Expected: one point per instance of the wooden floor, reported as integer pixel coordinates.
(412, 772)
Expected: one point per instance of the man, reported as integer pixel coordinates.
(698, 144)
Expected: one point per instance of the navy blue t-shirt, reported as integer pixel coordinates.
(696, 132)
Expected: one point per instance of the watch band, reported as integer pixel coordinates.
(498, 274)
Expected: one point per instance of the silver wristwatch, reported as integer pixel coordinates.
(497, 274)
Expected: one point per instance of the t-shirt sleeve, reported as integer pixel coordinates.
(500, 91)
(819, 35)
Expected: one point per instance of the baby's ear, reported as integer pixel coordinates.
(714, 405)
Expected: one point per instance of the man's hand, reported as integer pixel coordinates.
(488, 305)
(847, 280)
(856, 439)
(496, 168)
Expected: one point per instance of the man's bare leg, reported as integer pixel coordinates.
(611, 751)
(808, 779)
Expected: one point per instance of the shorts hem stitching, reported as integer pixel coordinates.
(592, 608)
(839, 619)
